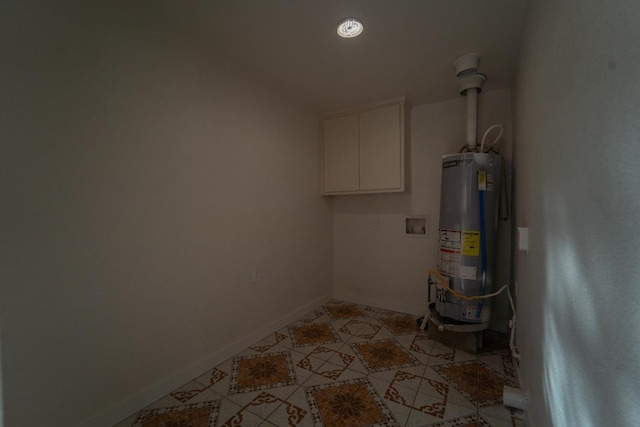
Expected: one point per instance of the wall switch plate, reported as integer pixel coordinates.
(375, 224)
(255, 275)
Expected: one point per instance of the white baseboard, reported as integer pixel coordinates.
(144, 398)
(416, 310)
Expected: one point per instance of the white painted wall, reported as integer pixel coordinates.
(577, 151)
(383, 267)
(142, 178)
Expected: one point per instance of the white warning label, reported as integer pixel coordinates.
(467, 272)
(450, 257)
(450, 239)
(450, 262)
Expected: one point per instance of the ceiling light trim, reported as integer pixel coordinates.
(349, 28)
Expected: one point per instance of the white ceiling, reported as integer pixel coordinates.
(407, 47)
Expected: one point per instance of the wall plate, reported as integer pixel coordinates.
(417, 226)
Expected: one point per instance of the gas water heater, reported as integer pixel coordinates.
(468, 225)
(468, 221)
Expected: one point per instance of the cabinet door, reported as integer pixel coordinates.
(340, 154)
(381, 160)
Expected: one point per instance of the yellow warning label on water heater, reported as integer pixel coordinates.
(482, 180)
(471, 243)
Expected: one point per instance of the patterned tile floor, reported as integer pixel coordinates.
(344, 365)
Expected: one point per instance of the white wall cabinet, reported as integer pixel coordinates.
(363, 149)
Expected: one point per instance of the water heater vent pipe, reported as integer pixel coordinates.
(470, 84)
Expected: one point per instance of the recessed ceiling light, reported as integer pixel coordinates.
(350, 27)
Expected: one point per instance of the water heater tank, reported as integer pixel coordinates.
(468, 225)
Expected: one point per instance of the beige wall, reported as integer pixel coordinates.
(383, 267)
(576, 156)
(142, 179)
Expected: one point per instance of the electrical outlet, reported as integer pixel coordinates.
(375, 224)
(255, 275)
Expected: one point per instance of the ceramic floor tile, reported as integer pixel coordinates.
(400, 412)
(293, 412)
(402, 389)
(502, 362)
(258, 349)
(398, 400)
(338, 324)
(345, 364)
(322, 351)
(177, 398)
(401, 325)
(202, 414)
(389, 374)
(306, 365)
(347, 358)
(263, 403)
(218, 378)
(420, 419)
(232, 414)
(383, 355)
(364, 333)
(313, 334)
(442, 354)
(417, 344)
(379, 322)
(379, 313)
(265, 371)
(362, 328)
(280, 338)
(404, 379)
(290, 415)
(499, 411)
(215, 375)
(346, 374)
(309, 365)
(348, 403)
(454, 396)
(344, 311)
(406, 389)
(193, 392)
(338, 372)
(495, 422)
(472, 420)
(476, 381)
(316, 316)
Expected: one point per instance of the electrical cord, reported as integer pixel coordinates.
(512, 323)
(459, 295)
